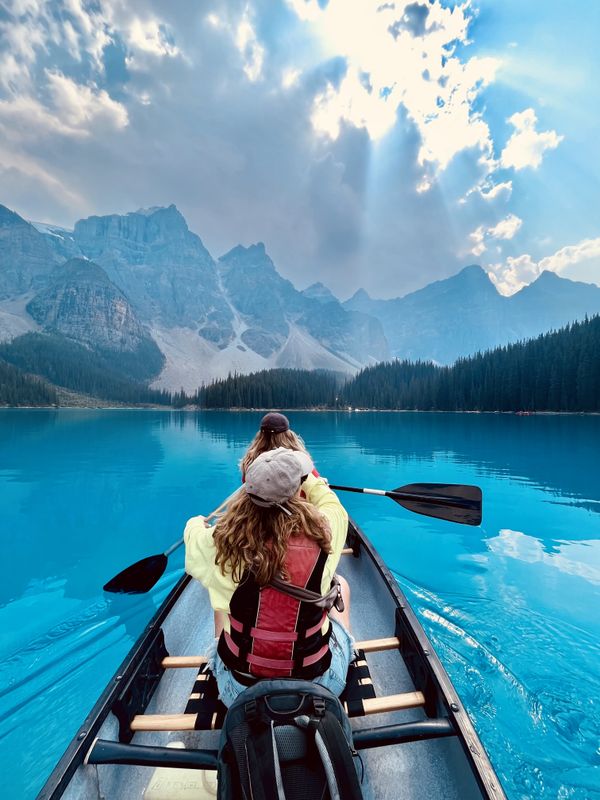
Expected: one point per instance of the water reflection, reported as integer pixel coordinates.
(531, 448)
(515, 544)
(73, 485)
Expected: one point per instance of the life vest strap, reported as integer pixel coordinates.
(276, 663)
(277, 636)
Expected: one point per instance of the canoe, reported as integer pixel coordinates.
(154, 731)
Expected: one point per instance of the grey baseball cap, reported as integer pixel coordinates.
(275, 476)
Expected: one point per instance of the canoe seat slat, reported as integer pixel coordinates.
(359, 686)
(377, 645)
(204, 702)
(183, 662)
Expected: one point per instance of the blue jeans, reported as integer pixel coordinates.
(341, 645)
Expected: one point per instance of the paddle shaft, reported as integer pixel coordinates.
(432, 499)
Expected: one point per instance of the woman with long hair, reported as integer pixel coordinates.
(269, 565)
(274, 432)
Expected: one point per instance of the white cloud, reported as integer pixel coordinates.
(21, 38)
(75, 111)
(306, 10)
(526, 146)
(352, 103)
(290, 77)
(518, 272)
(478, 237)
(151, 36)
(81, 105)
(491, 192)
(93, 23)
(505, 229)
(25, 119)
(250, 48)
(388, 67)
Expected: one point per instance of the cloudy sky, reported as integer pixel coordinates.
(375, 144)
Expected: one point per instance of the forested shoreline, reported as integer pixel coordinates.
(557, 371)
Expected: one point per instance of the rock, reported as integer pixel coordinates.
(82, 303)
(26, 259)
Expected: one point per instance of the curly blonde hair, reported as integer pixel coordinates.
(248, 536)
(269, 440)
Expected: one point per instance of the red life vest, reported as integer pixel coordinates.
(276, 635)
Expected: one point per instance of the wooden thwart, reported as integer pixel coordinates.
(187, 722)
(179, 662)
(393, 702)
(376, 645)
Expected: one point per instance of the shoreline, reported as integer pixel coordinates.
(196, 410)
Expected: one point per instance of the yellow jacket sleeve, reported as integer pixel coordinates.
(200, 555)
(318, 493)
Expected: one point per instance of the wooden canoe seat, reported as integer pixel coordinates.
(189, 722)
(204, 710)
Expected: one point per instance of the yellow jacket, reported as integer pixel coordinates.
(200, 548)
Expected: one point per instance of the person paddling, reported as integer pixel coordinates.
(274, 432)
(269, 546)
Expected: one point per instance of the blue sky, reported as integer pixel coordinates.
(369, 144)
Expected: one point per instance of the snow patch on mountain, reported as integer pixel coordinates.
(52, 230)
(303, 351)
(14, 320)
(191, 360)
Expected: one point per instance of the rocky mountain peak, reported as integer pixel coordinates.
(360, 294)
(82, 303)
(160, 265)
(26, 259)
(254, 257)
(318, 291)
(8, 217)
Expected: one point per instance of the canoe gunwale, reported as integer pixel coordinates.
(82, 741)
(475, 752)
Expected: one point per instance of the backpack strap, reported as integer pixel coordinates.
(337, 759)
(264, 771)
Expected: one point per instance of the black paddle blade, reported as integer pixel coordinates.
(450, 501)
(139, 577)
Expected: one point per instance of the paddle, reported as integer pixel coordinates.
(451, 501)
(141, 576)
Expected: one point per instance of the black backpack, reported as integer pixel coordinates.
(287, 739)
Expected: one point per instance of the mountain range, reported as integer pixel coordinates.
(143, 286)
(465, 314)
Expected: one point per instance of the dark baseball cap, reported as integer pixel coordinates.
(273, 422)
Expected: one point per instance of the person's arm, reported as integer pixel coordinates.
(200, 554)
(318, 493)
(322, 497)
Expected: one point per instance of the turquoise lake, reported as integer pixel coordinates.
(512, 607)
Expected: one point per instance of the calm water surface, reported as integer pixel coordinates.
(511, 607)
